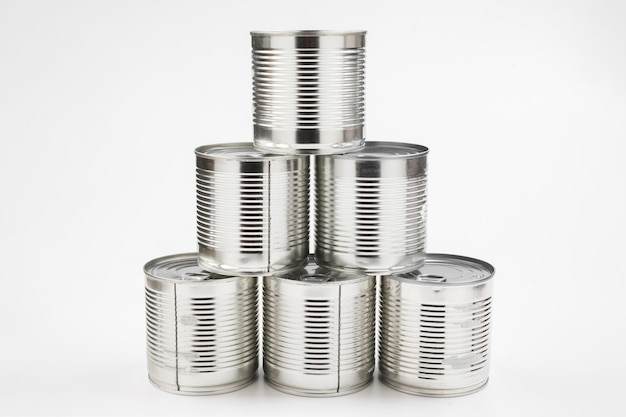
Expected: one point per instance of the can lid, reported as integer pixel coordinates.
(448, 270)
(310, 32)
(308, 39)
(240, 151)
(181, 267)
(385, 150)
(312, 273)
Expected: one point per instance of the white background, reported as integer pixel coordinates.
(522, 103)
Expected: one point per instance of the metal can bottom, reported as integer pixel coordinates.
(268, 146)
(428, 392)
(316, 393)
(372, 267)
(247, 270)
(220, 389)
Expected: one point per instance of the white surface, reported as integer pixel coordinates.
(102, 103)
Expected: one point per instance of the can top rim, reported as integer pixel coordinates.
(445, 270)
(307, 33)
(239, 151)
(375, 151)
(314, 274)
(181, 268)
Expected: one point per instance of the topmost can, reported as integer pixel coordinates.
(309, 91)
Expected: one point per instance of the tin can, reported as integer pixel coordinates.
(309, 91)
(202, 330)
(371, 208)
(253, 210)
(319, 331)
(436, 327)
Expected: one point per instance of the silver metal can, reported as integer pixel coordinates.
(309, 91)
(202, 330)
(371, 208)
(436, 327)
(319, 331)
(253, 210)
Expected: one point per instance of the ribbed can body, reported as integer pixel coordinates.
(435, 335)
(253, 210)
(371, 208)
(202, 332)
(308, 91)
(319, 336)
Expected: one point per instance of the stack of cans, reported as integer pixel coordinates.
(319, 311)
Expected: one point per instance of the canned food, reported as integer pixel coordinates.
(318, 331)
(436, 327)
(309, 91)
(202, 334)
(371, 208)
(253, 210)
